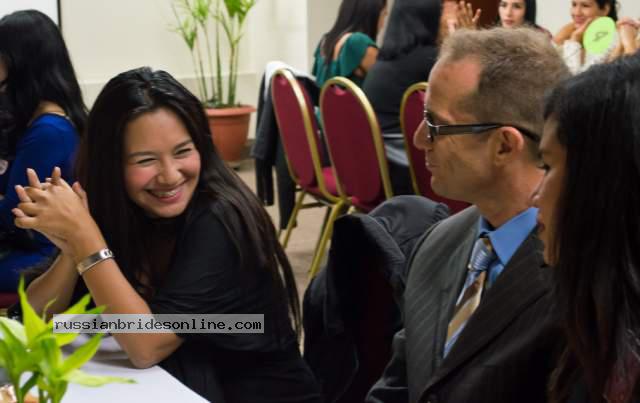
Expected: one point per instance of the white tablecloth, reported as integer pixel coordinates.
(153, 385)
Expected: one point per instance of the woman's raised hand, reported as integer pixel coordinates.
(578, 32)
(628, 31)
(466, 17)
(55, 209)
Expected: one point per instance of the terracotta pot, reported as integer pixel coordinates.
(229, 129)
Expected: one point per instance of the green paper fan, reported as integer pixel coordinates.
(599, 35)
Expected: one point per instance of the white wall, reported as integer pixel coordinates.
(109, 37)
(321, 14)
(553, 14)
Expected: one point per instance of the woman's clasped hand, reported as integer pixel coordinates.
(56, 209)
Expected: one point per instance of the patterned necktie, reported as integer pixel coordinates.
(481, 257)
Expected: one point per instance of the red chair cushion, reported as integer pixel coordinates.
(293, 134)
(7, 299)
(349, 137)
(329, 181)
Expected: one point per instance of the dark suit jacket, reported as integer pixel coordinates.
(508, 347)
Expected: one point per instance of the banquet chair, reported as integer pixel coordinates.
(356, 147)
(411, 115)
(6, 300)
(299, 135)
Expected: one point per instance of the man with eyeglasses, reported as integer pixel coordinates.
(477, 317)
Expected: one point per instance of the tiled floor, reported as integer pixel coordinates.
(304, 237)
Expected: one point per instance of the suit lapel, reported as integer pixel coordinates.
(517, 287)
(450, 290)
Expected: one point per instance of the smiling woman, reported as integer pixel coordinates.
(569, 38)
(166, 228)
(162, 166)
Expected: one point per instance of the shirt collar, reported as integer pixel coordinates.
(509, 236)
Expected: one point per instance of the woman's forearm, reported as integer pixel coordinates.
(110, 288)
(56, 284)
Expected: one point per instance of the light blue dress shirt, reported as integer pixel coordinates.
(505, 241)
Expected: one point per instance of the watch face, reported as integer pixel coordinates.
(4, 164)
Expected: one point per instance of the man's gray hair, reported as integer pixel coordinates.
(518, 66)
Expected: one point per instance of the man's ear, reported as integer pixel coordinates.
(509, 144)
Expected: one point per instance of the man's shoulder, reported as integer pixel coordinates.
(451, 228)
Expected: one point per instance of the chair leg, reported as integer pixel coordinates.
(292, 219)
(324, 226)
(336, 211)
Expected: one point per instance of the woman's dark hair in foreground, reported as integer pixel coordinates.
(597, 238)
(353, 16)
(124, 224)
(411, 23)
(39, 69)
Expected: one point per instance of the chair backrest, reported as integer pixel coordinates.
(298, 130)
(411, 115)
(352, 135)
(7, 299)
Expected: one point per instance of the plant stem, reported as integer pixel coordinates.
(201, 67)
(218, 58)
(195, 70)
(232, 56)
(15, 381)
(213, 87)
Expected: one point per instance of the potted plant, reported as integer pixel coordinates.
(228, 120)
(32, 349)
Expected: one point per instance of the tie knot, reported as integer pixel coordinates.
(482, 255)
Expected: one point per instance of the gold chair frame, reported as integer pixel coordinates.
(421, 86)
(336, 205)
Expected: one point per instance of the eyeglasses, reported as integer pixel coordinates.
(450, 130)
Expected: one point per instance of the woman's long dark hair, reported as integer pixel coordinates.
(412, 23)
(353, 16)
(597, 238)
(613, 7)
(124, 224)
(39, 69)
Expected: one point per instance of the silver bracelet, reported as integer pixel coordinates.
(92, 260)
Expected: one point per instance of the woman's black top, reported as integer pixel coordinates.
(204, 277)
(387, 80)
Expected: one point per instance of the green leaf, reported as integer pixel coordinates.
(43, 385)
(33, 324)
(81, 355)
(29, 384)
(80, 306)
(82, 378)
(16, 328)
(51, 356)
(6, 358)
(21, 359)
(77, 309)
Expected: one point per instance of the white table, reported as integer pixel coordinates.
(152, 385)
